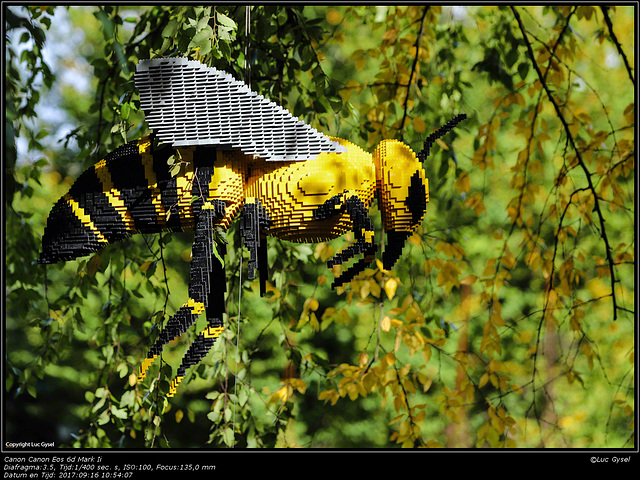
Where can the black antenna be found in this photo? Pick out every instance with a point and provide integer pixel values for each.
(424, 153)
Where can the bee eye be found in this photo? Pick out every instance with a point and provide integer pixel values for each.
(416, 200)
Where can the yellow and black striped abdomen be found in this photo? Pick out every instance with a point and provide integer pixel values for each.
(130, 191)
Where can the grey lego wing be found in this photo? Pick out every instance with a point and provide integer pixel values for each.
(187, 103)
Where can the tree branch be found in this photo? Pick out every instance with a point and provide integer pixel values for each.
(414, 66)
(614, 39)
(565, 125)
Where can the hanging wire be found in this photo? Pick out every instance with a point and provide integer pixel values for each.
(247, 78)
(247, 33)
(235, 383)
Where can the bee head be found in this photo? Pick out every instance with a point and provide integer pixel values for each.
(403, 189)
(402, 192)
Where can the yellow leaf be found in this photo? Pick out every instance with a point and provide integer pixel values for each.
(419, 125)
(629, 112)
(415, 239)
(126, 274)
(313, 322)
(374, 286)
(390, 287)
(385, 325)
(469, 280)
(270, 288)
(311, 304)
(389, 358)
(334, 17)
(390, 35)
(523, 337)
(426, 353)
(365, 289)
(145, 266)
(323, 251)
(363, 359)
(442, 144)
(179, 415)
(463, 183)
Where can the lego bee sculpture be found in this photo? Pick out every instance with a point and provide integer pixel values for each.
(242, 154)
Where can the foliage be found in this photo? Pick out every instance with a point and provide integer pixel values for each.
(509, 320)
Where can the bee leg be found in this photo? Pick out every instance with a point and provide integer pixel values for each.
(214, 308)
(330, 208)
(351, 272)
(363, 231)
(196, 352)
(254, 224)
(177, 324)
(205, 269)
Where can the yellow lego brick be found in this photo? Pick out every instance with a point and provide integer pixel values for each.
(84, 218)
(174, 386)
(395, 164)
(152, 182)
(113, 195)
(196, 307)
(290, 192)
(212, 332)
(368, 236)
(142, 370)
(144, 145)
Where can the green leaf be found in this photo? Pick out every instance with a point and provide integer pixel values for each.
(206, 48)
(523, 69)
(226, 21)
(202, 37)
(224, 33)
(128, 398)
(122, 60)
(202, 23)
(213, 416)
(124, 111)
(118, 412)
(170, 28)
(107, 23)
(228, 437)
(103, 418)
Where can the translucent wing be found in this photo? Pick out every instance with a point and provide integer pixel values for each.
(187, 103)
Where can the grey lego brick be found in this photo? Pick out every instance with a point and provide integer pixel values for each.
(187, 103)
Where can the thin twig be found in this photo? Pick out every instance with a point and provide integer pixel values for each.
(414, 66)
(603, 231)
(614, 39)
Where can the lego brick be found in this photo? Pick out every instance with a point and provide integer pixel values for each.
(187, 103)
(238, 152)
